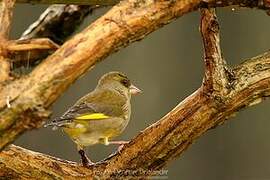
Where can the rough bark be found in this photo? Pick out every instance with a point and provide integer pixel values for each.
(77, 2)
(31, 164)
(29, 51)
(6, 12)
(216, 71)
(29, 97)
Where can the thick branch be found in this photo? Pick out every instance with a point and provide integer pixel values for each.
(4, 64)
(77, 2)
(263, 4)
(31, 164)
(166, 139)
(6, 12)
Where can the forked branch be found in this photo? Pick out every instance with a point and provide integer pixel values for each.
(163, 141)
(129, 21)
(215, 79)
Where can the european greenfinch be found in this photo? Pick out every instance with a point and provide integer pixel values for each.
(100, 115)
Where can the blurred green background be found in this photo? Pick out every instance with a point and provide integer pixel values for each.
(167, 66)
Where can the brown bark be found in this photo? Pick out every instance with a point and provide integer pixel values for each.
(216, 72)
(6, 12)
(223, 92)
(29, 51)
(78, 2)
(31, 164)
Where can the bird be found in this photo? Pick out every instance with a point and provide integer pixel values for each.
(100, 115)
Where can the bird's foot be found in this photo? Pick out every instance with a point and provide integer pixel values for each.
(86, 162)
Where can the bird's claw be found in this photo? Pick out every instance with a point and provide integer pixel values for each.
(120, 147)
(86, 162)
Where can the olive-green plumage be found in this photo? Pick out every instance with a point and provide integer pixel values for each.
(100, 115)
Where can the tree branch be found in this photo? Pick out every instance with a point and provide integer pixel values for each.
(162, 141)
(127, 22)
(6, 12)
(29, 164)
(77, 2)
(262, 4)
(216, 78)
(123, 24)
(29, 51)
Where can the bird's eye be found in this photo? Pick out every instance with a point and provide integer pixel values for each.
(125, 82)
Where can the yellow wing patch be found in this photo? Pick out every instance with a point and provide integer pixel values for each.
(93, 116)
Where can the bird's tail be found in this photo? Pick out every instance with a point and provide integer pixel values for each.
(53, 124)
(56, 123)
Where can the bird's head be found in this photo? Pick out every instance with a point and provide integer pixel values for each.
(119, 82)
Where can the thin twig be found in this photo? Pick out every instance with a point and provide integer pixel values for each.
(32, 44)
(215, 79)
(30, 51)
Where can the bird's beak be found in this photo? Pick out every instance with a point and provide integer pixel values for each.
(134, 90)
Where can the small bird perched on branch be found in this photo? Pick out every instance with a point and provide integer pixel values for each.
(100, 115)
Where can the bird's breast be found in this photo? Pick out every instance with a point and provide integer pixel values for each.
(126, 110)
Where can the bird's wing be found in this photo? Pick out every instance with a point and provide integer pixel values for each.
(94, 106)
(87, 112)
